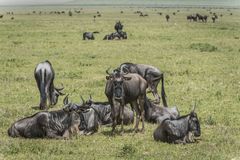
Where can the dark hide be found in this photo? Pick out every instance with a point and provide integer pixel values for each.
(181, 130)
(167, 17)
(104, 111)
(88, 116)
(89, 35)
(151, 74)
(156, 114)
(44, 76)
(122, 90)
(118, 26)
(54, 124)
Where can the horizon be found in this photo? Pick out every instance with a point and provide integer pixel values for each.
(228, 3)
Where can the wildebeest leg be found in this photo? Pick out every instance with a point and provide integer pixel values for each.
(137, 115)
(43, 102)
(51, 134)
(121, 116)
(142, 111)
(114, 116)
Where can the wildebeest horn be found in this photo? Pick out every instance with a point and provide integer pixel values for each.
(107, 71)
(65, 101)
(59, 89)
(83, 102)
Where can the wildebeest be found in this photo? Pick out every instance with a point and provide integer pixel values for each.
(116, 35)
(181, 130)
(151, 74)
(89, 119)
(54, 124)
(118, 26)
(103, 110)
(1, 16)
(122, 89)
(44, 76)
(156, 114)
(167, 17)
(89, 35)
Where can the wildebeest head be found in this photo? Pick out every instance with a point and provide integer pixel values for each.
(193, 124)
(69, 106)
(55, 94)
(117, 79)
(118, 26)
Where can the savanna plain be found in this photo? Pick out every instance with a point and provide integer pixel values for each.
(200, 62)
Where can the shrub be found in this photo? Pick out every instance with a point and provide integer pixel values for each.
(203, 47)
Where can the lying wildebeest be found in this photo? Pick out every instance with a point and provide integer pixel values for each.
(44, 76)
(151, 74)
(181, 130)
(116, 35)
(89, 35)
(122, 89)
(167, 17)
(89, 119)
(103, 110)
(156, 114)
(118, 26)
(54, 124)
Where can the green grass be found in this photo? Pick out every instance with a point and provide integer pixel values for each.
(200, 62)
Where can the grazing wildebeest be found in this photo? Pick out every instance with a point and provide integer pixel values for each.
(167, 17)
(54, 124)
(44, 76)
(89, 119)
(181, 130)
(118, 26)
(156, 114)
(151, 74)
(89, 35)
(103, 110)
(122, 89)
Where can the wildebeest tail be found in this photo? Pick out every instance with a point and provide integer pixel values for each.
(96, 32)
(163, 94)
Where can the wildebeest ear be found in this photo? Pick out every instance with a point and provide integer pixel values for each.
(65, 101)
(127, 78)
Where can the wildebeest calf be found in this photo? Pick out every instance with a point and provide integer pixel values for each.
(89, 35)
(181, 130)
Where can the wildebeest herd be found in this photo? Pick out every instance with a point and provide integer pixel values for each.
(127, 84)
(119, 34)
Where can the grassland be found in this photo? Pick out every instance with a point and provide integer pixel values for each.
(200, 62)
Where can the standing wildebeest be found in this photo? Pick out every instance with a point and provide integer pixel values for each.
(89, 35)
(118, 26)
(156, 114)
(103, 110)
(167, 17)
(181, 130)
(44, 76)
(151, 74)
(54, 124)
(122, 89)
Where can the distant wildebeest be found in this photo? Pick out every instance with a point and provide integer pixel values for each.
(53, 124)
(89, 119)
(103, 110)
(112, 36)
(174, 13)
(99, 15)
(213, 19)
(70, 13)
(89, 35)
(151, 74)
(122, 89)
(182, 130)
(1, 16)
(121, 12)
(44, 76)
(118, 26)
(156, 114)
(12, 18)
(160, 13)
(167, 17)
(201, 18)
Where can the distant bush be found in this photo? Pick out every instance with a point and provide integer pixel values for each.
(203, 47)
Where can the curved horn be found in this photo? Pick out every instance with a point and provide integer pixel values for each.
(65, 100)
(83, 102)
(107, 71)
(59, 89)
